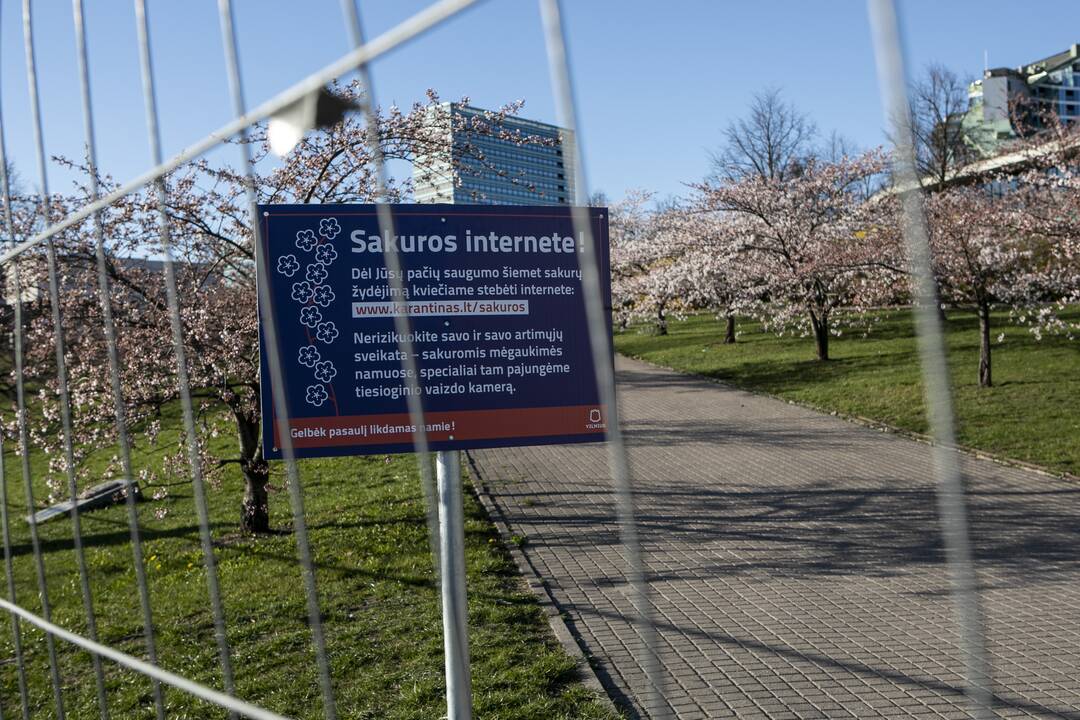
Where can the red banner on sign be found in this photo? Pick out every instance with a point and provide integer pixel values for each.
(397, 428)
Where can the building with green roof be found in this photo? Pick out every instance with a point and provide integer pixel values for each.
(1007, 97)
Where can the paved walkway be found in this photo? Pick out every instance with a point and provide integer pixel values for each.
(795, 561)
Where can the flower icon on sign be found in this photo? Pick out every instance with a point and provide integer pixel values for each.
(310, 316)
(309, 355)
(323, 295)
(306, 240)
(315, 395)
(316, 273)
(325, 371)
(329, 228)
(302, 291)
(327, 332)
(287, 265)
(326, 253)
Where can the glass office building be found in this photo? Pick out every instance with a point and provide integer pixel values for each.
(508, 161)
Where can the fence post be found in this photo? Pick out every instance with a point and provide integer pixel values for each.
(454, 602)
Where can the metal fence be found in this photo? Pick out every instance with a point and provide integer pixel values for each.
(53, 224)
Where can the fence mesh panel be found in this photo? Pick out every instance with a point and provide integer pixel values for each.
(51, 225)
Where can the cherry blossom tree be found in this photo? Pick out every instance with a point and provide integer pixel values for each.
(982, 259)
(662, 292)
(1012, 241)
(1048, 207)
(719, 281)
(817, 246)
(213, 245)
(655, 262)
(634, 253)
(697, 270)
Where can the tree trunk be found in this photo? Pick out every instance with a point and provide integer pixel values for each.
(729, 330)
(661, 321)
(255, 508)
(820, 326)
(984, 345)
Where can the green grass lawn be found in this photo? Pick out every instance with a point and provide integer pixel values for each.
(1031, 414)
(379, 603)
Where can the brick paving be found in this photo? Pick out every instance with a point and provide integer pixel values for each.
(795, 562)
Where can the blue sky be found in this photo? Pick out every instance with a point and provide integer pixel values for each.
(656, 81)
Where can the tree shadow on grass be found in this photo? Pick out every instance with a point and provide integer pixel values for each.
(777, 376)
(93, 537)
(101, 531)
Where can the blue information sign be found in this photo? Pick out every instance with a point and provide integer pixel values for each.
(497, 316)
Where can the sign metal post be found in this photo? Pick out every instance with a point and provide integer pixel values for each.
(454, 603)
